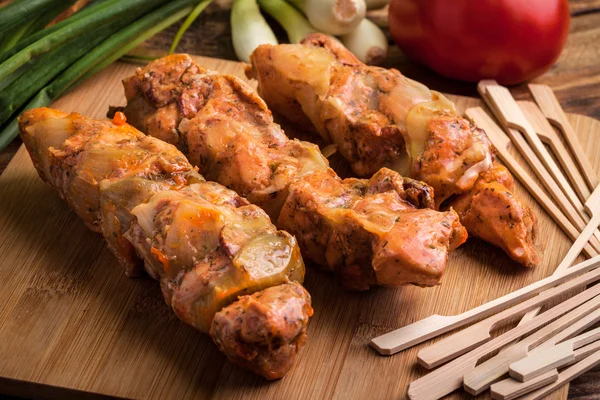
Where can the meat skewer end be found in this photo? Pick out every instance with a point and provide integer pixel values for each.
(263, 332)
(222, 265)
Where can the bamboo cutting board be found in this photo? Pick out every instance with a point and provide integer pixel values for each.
(72, 324)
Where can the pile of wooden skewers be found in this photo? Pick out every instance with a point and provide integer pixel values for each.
(546, 351)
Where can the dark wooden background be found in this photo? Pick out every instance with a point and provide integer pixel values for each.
(575, 79)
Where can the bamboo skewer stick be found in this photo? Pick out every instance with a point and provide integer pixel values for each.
(575, 250)
(546, 133)
(467, 339)
(511, 117)
(566, 376)
(485, 374)
(501, 142)
(449, 377)
(435, 325)
(544, 176)
(542, 360)
(550, 106)
(510, 389)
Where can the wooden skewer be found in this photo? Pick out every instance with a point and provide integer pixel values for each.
(592, 202)
(546, 133)
(463, 341)
(501, 142)
(550, 106)
(511, 116)
(510, 389)
(544, 176)
(435, 325)
(542, 360)
(485, 374)
(566, 376)
(449, 377)
(573, 253)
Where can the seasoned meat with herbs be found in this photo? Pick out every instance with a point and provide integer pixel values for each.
(264, 331)
(227, 130)
(379, 118)
(382, 231)
(205, 244)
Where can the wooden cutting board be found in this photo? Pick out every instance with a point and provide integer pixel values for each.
(72, 324)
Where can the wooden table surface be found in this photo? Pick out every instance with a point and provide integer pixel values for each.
(575, 79)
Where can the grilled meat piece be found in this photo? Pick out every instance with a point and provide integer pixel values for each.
(227, 130)
(372, 232)
(379, 118)
(205, 244)
(264, 331)
(494, 214)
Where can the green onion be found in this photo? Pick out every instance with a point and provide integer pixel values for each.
(110, 50)
(107, 11)
(249, 29)
(19, 12)
(17, 34)
(295, 24)
(335, 17)
(97, 6)
(367, 42)
(187, 23)
(48, 66)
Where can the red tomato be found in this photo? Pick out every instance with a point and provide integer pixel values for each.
(508, 40)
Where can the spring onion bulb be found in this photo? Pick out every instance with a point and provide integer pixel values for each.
(367, 42)
(295, 24)
(376, 4)
(335, 17)
(249, 29)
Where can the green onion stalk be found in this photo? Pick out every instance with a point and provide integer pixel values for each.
(293, 21)
(105, 12)
(249, 29)
(50, 65)
(188, 22)
(19, 12)
(101, 56)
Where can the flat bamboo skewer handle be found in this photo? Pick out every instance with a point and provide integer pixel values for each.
(485, 374)
(509, 388)
(472, 336)
(544, 96)
(501, 143)
(573, 253)
(449, 377)
(553, 189)
(546, 133)
(565, 377)
(512, 117)
(542, 360)
(435, 325)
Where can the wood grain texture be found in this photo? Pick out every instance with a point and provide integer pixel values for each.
(575, 78)
(70, 318)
